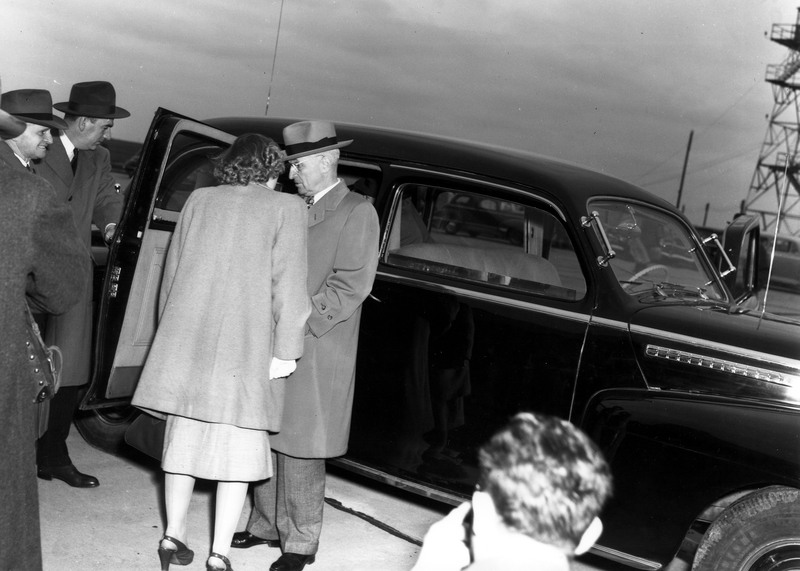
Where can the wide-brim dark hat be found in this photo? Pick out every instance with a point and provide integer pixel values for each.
(310, 138)
(32, 106)
(10, 126)
(96, 99)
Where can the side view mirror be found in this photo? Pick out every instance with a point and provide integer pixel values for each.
(742, 244)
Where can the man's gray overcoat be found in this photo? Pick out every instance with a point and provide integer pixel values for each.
(232, 296)
(343, 231)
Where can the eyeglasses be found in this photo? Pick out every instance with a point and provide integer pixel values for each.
(298, 166)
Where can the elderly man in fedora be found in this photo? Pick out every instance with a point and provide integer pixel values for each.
(343, 232)
(34, 107)
(79, 169)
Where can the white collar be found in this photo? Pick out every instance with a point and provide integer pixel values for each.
(25, 163)
(68, 146)
(322, 193)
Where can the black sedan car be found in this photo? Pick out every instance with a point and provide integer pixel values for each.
(605, 310)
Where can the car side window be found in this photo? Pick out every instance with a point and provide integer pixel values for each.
(477, 238)
(785, 246)
(188, 171)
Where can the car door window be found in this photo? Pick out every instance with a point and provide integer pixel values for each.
(190, 169)
(472, 237)
(654, 251)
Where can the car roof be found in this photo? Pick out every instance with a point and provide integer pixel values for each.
(571, 182)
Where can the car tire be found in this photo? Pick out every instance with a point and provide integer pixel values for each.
(756, 533)
(105, 428)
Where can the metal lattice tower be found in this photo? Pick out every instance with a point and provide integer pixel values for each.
(772, 180)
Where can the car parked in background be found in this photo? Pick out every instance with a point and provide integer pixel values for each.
(786, 262)
(606, 311)
(480, 216)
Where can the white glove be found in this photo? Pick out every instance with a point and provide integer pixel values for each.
(280, 368)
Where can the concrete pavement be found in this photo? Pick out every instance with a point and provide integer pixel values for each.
(117, 526)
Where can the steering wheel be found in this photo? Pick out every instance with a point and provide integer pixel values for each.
(643, 272)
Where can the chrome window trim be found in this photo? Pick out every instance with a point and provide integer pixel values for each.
(613, 324)
(398, 481)
(620, 557)
(495, 185)
(498, 299)
(359, 164)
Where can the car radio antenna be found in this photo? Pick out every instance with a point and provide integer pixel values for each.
(274, 57)
(781, 198)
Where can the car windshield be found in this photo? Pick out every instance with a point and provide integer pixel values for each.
(655, 252)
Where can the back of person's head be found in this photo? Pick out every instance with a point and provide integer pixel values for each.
(250, 158)
(547, 479)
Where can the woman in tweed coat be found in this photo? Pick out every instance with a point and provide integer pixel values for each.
(232, 312)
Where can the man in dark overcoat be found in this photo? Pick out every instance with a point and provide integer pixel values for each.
(40, 257)
(343, 233)
(79, 169)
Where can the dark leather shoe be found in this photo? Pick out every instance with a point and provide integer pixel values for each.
(70, 475)
(245, 539)
(292, 562)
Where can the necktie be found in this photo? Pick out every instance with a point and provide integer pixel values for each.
(309, 200)
(30, 168)
(74, 161)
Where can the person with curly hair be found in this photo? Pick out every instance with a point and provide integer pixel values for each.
(542, 485)
(232, 312)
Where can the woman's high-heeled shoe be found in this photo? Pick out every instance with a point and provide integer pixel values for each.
(181, 555)
(225, 560)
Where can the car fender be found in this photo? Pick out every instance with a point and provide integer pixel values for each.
(671, 472)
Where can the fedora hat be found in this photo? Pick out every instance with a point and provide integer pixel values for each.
(32, 106)
(310, 138)
(95, 99)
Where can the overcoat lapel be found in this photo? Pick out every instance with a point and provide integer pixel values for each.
(86, 168)
(8, 156)
(328, 202)
(56, 158)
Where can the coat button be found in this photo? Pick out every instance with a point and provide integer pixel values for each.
(324, 307)
(330, 317)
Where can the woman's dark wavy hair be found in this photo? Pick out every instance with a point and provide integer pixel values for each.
(251, 158)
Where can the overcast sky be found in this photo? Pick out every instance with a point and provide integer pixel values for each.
(616, 86)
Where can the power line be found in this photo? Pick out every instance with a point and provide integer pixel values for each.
(698, 168)
(706, 128)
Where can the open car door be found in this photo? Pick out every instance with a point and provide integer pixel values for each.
(176, 159)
